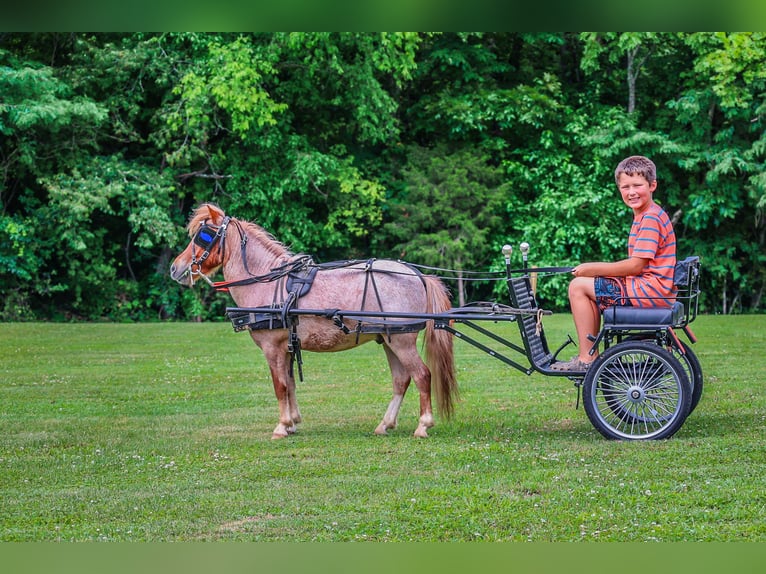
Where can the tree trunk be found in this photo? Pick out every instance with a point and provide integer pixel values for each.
(632, 74)
(755, 303)
(634, 69)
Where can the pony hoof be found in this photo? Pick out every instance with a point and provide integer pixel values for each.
(381, 430)
(280, 432)
(420, 432)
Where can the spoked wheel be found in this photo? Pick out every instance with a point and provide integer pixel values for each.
(637, 390)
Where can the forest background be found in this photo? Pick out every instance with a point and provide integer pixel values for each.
(436, 148)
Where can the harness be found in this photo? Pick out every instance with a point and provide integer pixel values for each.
(293, 280)
(206, 238)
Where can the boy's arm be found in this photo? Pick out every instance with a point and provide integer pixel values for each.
(632, 267)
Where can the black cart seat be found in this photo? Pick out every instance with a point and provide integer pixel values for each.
(642, 316)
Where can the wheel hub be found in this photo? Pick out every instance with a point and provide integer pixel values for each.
(636, 394)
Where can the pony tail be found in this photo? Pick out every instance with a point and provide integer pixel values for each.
(439, 354)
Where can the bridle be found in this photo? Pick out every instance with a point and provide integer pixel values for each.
(206, 238)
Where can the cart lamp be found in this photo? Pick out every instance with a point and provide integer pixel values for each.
(524, 246)
(507, 250)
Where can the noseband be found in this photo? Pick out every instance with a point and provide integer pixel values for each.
(206, 238)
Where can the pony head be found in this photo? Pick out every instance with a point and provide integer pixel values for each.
(204, 254)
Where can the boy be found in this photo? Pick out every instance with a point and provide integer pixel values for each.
(644, 279)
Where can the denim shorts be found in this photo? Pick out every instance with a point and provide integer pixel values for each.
(610, 291)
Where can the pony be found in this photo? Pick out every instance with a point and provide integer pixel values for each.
(257, 267)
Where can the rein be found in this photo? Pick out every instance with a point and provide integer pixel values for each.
(494, 275)
(275, 273)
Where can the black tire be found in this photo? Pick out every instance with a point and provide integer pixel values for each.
(637, 390)
(690, 361)
(694, 372)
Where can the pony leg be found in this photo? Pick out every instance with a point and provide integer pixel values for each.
(401, 380)
(406, 364)
(292, 401)
(422, 376)
(392, 412)
(294, 413)
(284, 389)
(426, 421)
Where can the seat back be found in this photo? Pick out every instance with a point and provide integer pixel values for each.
(687, 279)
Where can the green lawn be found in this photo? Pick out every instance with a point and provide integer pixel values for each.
(163, 432)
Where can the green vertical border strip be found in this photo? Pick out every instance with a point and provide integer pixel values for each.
(385, 558)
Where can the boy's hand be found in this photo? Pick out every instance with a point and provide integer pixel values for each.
(585, 270)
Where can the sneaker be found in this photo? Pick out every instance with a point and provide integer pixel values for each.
(572, 365)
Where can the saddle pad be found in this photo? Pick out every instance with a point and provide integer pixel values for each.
(300, 281)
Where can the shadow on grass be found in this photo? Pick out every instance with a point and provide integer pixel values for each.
(715, 425)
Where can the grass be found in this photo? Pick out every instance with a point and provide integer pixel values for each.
(163, 432)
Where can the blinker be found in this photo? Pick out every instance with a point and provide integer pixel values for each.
(205, 237)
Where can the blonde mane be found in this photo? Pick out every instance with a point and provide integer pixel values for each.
(259, 234)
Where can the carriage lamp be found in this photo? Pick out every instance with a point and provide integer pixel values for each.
(507, 250)
(524, 246)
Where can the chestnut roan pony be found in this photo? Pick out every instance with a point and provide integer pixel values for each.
(257, 269)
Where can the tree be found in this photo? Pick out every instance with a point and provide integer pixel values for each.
(451, 208)
(633, 48)
(338, 143)
(44, 127)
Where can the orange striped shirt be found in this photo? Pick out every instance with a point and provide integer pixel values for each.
(652, 237)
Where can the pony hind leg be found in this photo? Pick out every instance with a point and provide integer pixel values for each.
(422, 377)
(407, 365)
(401, 380)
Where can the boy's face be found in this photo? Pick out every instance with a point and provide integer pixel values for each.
(636, 191)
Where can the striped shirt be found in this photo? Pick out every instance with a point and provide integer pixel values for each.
(652, 237)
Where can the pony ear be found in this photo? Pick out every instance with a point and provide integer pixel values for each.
(216, 214)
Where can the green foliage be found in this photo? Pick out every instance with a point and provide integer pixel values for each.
(327, 139)
(222, 92)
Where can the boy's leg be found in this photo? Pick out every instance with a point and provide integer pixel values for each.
(585, 312)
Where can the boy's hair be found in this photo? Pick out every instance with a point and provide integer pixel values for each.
(636, 165)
